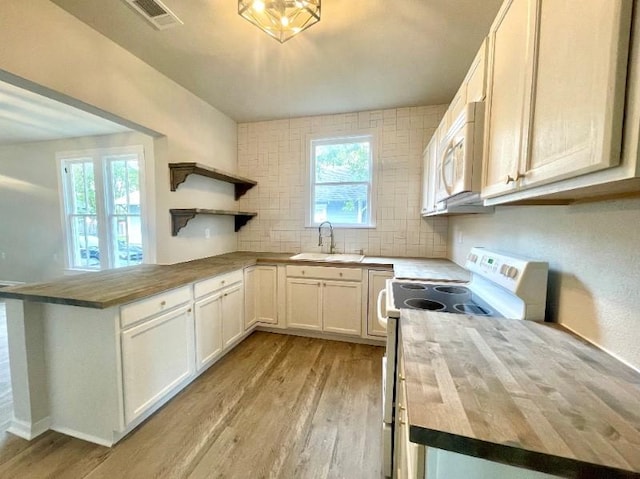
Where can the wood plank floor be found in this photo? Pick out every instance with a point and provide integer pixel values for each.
(277, 406)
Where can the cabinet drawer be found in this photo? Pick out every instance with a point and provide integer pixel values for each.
(134, 312)
(325, 272)
(213, 284)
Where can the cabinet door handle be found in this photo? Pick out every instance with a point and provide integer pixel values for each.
(402, 378)
(163, 303)
(222, 282)
(318, 284)
(302, 271)
(511, 179)
(189, 310)
(340, 275)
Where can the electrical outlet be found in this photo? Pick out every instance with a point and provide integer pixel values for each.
(207, 233)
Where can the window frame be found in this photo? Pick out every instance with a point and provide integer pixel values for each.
(329, 138)
(100, 158)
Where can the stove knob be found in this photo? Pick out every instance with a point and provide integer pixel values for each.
(512, 272)
(503, 269)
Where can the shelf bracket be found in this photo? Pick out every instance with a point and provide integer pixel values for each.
(241, 220)
(179, 220)
(178, 175)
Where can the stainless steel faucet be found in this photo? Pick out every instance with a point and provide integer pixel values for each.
(332, 246)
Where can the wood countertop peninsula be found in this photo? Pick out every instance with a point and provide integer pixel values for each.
(105, 289)
(522, 393)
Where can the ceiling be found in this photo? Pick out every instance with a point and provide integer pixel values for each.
(27, 116)
(362, 55)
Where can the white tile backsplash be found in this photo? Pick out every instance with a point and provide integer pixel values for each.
(271, 152)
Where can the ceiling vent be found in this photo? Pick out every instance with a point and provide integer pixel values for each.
(155, 12)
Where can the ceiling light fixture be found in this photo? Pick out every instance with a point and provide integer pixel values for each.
(282, 19)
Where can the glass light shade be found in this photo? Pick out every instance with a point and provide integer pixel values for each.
(282, 19)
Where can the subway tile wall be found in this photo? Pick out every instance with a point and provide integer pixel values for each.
(274, 154)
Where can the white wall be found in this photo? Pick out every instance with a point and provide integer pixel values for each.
(44, 44)
(30, 216)
(274, 154)
(594, 260)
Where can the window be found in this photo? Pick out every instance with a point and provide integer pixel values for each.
(101, 205)
(341, 181)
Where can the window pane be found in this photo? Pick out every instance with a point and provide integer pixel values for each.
(128, 245)
(126, 228)
(84, 242)
(125, 184)
(82, 187)
(341, 204)
(338, 163)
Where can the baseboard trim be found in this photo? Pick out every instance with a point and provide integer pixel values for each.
(320, 335)
(80, 435)
(27, 430)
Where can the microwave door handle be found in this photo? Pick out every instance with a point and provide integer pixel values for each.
(443, 178)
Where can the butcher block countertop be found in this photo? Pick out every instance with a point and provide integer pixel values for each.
(114, 287)
(522, 393)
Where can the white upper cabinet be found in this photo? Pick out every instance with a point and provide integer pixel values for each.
(429, 177)
(578, 92)
(509, 86)
(476, 79)
(556, 91)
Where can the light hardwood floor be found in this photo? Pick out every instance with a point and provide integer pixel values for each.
(277, 406)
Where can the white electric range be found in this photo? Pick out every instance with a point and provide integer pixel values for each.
(501, 285)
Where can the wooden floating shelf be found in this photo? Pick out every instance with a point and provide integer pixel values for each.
(180, 217)
(179, 171)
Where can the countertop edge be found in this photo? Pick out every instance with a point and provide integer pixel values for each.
(514, 455)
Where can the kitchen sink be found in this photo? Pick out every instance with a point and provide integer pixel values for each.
(338, 258)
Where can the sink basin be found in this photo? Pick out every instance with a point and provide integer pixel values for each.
(339, 258)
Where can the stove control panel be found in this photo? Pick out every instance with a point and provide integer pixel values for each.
(509, 271)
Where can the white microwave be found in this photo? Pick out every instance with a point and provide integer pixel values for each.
(459, 162)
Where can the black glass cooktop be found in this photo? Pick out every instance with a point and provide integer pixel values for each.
(447, 298)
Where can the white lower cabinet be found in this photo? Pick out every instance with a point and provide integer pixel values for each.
(304, 303)
(208, 318)
(323, 302)
(342, 307)
(219, 316)
(232, 313)
(157, 356)
(261, 295)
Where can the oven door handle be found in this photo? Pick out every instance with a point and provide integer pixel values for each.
(381, 319)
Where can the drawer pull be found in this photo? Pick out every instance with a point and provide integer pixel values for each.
(222, 282)
(163, 303)
(341, 275)
(189, 310)
(318, 284)
(302, 271)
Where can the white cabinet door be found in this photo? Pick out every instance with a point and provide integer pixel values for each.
(250, 291)
(266, 294)
(304, 308)
(429, 176)
(342, 307)
(157, 356)
(511, 66)
(232, 314)
(377, 282)
(208, 319)
(476, 76)
(579, 88)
